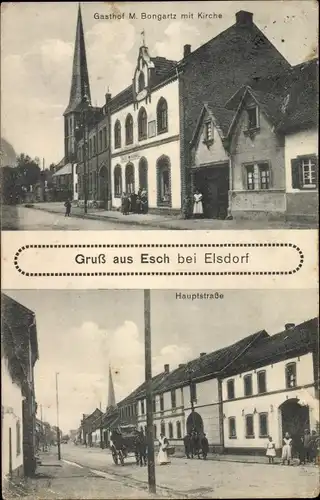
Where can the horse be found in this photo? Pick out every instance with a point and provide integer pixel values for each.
(140, 449)
(195, 444)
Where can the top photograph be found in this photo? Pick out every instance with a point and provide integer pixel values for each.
(159, 116)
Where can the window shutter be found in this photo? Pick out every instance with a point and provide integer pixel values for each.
(295, 172)
(314, 159)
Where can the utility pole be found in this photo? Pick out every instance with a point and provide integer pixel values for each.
(58, 428)
(149, 406)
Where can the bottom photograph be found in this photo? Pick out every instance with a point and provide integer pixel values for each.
(160, 394)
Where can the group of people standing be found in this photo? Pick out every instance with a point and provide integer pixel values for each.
(135, 203)
(196, 444)
(305, 448)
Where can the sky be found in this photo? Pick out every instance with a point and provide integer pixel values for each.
(82, 333)
(38, 41)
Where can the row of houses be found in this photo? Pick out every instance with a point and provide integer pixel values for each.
(232, 118)
(19, 353)
(239, 395)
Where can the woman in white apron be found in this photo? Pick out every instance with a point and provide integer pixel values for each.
(197, 204)
(286, 449)
(163, 454)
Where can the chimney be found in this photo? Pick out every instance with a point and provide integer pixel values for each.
(289, 326)
(244, 18)
(186, 50)
(202, 354)
(107, 97)
(166, 368)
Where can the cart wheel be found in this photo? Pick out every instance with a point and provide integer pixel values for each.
(121, 458)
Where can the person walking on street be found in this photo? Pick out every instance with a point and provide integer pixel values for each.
(68, 208)
(271, 450)
(287, 449)
(204, 446)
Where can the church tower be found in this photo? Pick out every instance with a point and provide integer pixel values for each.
(111, 396)
(80, 87)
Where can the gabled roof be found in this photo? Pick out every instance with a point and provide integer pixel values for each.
(295, 341)
(65, 170)
(221, 117)
(288, 99)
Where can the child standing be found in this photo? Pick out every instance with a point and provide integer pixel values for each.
(286, 449)
(271, 450)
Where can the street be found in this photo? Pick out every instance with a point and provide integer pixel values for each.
(187, 478)
(29, 219)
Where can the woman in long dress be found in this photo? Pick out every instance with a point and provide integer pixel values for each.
(197, 204)
(286, 449)
(163, 454)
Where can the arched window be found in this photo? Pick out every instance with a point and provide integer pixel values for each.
(170, 427)
(291, 375)
(94, 145)
(142, 124)
(100, 140)
(129, 178)
(117, 174)
(143, 174)
(117, 134)
(129, 129)
(163, 428)
(141, 81)
(105, 138)
(178, 425)
(162, 116)
(164, 181)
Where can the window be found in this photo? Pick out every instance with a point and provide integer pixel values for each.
(155, 432)
(163, 428)
(193, 392)
(170, 427)
(179, 434)
(253, 117)
(263, 424)
(208, 132)
(249, 426)
(247, 381)
(105, 138)
(173, 398)
(232, 427)
(94, 145)
(117, 181)
(100, 141)
(291, 375)
(117, 134)
(154, 405)
(129, 178)
(18, 437)
(129, 129)
(162, 116)
(262, 382)
(141, 81)
(142, 124)
(161, 403)
(142, 407)
(164, 181)
(305, 172)
(257, 176)
(230, 389)
(76, 187)
(90, 148)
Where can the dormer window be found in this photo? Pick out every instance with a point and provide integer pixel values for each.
(141, 81)
(208, 133)
(253, 118)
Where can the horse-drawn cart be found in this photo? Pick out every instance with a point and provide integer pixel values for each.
(122, 443)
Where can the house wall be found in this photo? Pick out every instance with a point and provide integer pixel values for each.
(11, 407)
(75, 182)
(204, 154)
(151, 148)
(264, 146)
(300, 203)
(267, 403)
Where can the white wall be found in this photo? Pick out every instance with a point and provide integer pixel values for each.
(75, 183)
(300, 143)
(268, 403)
(12, 407)
(169, 92)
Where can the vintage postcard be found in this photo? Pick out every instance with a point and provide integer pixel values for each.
(159, 209)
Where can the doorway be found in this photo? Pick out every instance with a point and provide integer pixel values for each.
(103, 186)
(213, 183)
(294, 419)
(194, 422)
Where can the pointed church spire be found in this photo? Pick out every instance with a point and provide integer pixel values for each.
(80, 79)
(111, 395)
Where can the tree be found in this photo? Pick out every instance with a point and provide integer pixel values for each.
(28, 171)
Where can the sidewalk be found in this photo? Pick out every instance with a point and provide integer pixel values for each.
(169, 221)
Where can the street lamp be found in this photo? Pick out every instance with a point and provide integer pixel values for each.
(83, 128)
(58, 428)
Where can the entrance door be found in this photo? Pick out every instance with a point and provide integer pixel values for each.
(213, 183)
(194, 422)
(294, 419)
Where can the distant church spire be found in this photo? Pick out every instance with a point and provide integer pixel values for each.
(80, 79)
(111, 395)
